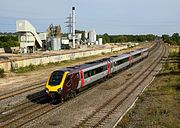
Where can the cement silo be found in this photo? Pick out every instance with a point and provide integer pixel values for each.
(92, 36)
(100, 41)
(55, 44)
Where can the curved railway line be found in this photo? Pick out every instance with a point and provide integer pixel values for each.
(36, 110)
(100, 116)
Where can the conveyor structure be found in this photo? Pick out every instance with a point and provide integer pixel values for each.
(29, 39)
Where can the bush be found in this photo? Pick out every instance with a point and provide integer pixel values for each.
(25, 69)
(1, 72)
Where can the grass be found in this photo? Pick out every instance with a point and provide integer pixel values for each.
(159, 106)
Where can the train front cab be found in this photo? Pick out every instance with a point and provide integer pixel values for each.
(54, 85)
(62, 85)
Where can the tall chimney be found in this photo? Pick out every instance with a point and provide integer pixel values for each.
(73, 26)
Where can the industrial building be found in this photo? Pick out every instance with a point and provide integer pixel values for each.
(31, 40)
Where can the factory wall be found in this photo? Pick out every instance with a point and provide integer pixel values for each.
(7, 66)
(119, 48)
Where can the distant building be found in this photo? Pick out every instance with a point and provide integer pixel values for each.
(31, 41)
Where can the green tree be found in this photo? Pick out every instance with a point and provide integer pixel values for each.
(8, 41)
(166, 38)
(106, 38)
(122, 38)
(176, 38)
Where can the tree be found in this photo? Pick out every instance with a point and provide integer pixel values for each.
(8, 41)
(166, 38)
(176, 38)
(150, 37)
(122, 38)
(106, 38)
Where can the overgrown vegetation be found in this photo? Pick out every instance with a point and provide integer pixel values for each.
(1, 72)
(159, 106)
(28, 68)
(126, 38)
(7, 41)
(173, 40)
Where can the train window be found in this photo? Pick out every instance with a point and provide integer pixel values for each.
(137, 55)
(90, 73)
(119, 62)
(86, 75)
(56, 78)
(104, 68)
(115, 63)
(95, 71)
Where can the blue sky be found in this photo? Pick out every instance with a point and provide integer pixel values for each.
(105, 16)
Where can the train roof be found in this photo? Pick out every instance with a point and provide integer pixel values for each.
(76, 68)
(135, 52)
(119, 56)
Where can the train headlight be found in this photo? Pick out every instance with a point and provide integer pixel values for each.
(47, 91)
(59, 90)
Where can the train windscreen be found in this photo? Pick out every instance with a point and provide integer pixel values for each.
(56, 78)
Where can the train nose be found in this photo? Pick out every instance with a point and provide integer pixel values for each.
(53, 95)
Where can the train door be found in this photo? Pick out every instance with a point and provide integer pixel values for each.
(109, 68)
(130, 59)
(67, 87)
(142, 54)
(82, 78)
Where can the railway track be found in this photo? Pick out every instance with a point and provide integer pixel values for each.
(14, 110)
(36, 85)
(37, 111)
(100, 116)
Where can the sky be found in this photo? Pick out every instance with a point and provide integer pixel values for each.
(105, 16)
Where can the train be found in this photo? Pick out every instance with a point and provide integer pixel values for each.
(66, 82)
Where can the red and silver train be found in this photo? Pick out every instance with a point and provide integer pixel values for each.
(64, 83)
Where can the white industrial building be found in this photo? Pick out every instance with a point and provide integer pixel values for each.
(29, 39)
(92, 36)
